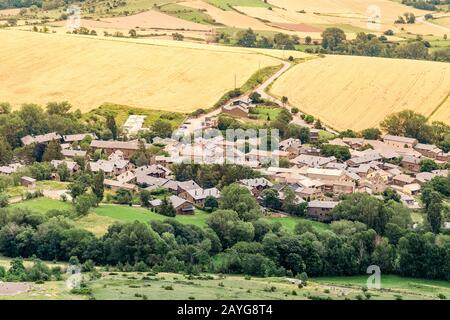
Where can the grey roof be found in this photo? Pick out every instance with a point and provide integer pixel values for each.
(256, 182)
(366, 158)
(27, 140)
(399, 139)
(73, 153)
(188, 185)
(199, 194)
(126, 145)
(312, 161)
(28, 179)
(78, 137)
(323, 204)
(175, 200)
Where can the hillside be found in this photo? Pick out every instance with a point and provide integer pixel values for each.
(358, 92)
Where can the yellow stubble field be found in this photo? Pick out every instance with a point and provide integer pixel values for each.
(358, 92)
(89, 71)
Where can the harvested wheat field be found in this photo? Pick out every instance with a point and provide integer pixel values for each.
(357, 13)
(9, 12)
(88, 72)
(228, 18)
(148, 19)
(358, 92)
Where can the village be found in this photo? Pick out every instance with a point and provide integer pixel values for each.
(393, 162)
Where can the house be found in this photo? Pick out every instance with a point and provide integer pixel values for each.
(428, 150)
(367, 158)
(70, 153)
(314, 135)
(411, 163)
(128, 148)
(198, 196)
(338, 187)
(147, 181)
(181, 205)
(443, 156)
(133, 124)
(312, 161)
(291, 146)
(326, 174)
(423, 177)
(411, 189)
(240, 110)
(320, 210)
(10, 169)
(71, 138)
(354, 143)
(399, 142)
(186, 185)
(72, 166)
(256, 185)
(409, 201)
(40, 139)
(402, 180)
(115, 185)
(309, 193)
(106, 166)
(154, 170)
(28, 182)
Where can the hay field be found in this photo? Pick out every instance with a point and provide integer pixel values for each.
(358, 92)
(9, 12)
(88, 72)
(356, 13)
(148, 19)
(229, 18)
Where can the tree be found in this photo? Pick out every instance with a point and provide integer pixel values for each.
(132, 33)
(112, 126)
(332, 38)
(123, 196)
(342, 153)
(409, 124)
(63, 171)
(239, 199)
(271, 199)
(434, 209)
(428, 165)
(5, 107)
(98, 187)
(211, 204)
(84, 202)
(52, 151)
(4, 200)
(371, 133)
(162, 128)
(167, 208)
(229, 228)
(246, 38)
(58, 108)
(308, 40)
(6, 153)
(145, 197)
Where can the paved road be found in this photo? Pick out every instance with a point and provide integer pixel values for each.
(193, 124)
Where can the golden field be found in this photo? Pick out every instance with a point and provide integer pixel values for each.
(358, 92)
(89, 71)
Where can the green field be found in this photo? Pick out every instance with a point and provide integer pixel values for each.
(130, 214)
(266, 113)
(121, 114)
(102, 217)
(187, 13)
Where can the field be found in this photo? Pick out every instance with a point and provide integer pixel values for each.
(358, 92)
(357, 13)
(147, 19)
(102, 217)
(9, 12)
(172, 286)
(89, 72)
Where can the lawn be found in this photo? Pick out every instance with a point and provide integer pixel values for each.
(290, 222)
(186, 13)
(43, 205)
(121, 114)
(266, 113)
(40, 185)
(129, 214)
(420, 287)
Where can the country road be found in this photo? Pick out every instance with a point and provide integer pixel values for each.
(193, 124)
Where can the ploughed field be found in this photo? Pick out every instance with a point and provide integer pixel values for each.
(89, 71)
(359, 92)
